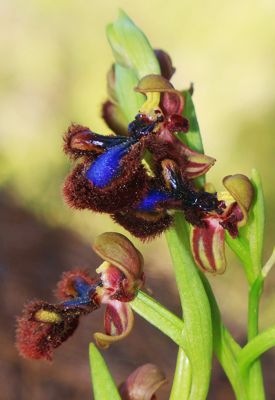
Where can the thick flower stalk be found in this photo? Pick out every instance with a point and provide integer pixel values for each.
(44, 327)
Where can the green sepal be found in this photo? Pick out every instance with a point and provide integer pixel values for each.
(255, 225)
(193, 137)
(104, 387)
(130, 46)
(129, 100)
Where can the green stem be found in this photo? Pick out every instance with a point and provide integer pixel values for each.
(159, 316)
(225, 347)
(240, 247)
(256, 387)
(195, 306)
(255, 348)
(182, 378)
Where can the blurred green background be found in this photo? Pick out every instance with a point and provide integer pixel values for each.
(54, 59)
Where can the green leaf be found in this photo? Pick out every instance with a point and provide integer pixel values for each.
(131, 48)
(225, 347)
(195, 306)
(104, 387)
(255, 226)
(240, 247)
(182, 378)
(129, 100)
(159, 316)
(193, 137)
(255, 348)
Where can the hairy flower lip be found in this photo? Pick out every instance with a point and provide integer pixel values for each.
(124, 191)
(36, 338)
(144, 225)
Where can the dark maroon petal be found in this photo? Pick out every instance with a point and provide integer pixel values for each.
(176, 123)
(114, 118)
(125, 190)
(144, 225)
(232, 218)
(191, 163)
(171, 103)
(118, 323)
(165, 63)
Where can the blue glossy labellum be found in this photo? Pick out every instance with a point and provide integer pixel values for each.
(107, 166)
(152, 200)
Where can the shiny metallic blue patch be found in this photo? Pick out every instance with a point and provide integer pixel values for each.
(107, 166)
(152, 199)
(83, 290)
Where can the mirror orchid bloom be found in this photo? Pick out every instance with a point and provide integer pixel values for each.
(43, 326)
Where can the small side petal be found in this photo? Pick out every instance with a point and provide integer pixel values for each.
(143, 383)
(197, 164)
(240, 187)
(207, 244)
(118, 322)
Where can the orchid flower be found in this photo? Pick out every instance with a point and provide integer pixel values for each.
(44, 327)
